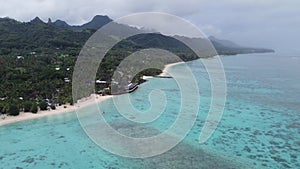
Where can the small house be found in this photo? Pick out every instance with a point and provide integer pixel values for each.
(20, 57)
(67, 80)
(101, 82)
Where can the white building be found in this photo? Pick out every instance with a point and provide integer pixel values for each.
(67, 80)
(101, 82)
(20, 57)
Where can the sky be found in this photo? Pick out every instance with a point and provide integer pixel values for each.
(257, 23)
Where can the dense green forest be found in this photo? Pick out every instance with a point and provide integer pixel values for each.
(37, 60)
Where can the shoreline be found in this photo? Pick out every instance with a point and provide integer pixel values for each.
(84, 102)
(167, 67)
(164, 71)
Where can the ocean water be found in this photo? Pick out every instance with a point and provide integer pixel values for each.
(260, 126)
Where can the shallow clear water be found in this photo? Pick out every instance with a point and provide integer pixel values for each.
(260, 127)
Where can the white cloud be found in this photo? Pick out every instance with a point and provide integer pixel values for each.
(210, 30)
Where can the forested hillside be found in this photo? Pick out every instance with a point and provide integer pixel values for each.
(37, 58)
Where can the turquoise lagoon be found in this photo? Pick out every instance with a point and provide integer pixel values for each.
(260, 127)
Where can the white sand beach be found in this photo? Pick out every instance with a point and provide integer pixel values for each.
(167, 67)
(93, 99)
(164, 71)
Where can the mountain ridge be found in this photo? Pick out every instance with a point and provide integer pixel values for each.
(97, 22)
(223, 47)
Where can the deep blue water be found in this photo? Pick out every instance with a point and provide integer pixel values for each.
(260, 127)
